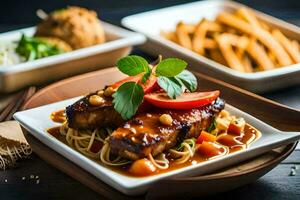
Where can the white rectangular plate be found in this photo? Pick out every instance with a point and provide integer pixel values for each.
(66, 64)
(153, 22)
(37, 121)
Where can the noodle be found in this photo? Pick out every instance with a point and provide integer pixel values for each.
(188, 150)
(83, 140)
(161, 162)
(105, 157)
(225, 152)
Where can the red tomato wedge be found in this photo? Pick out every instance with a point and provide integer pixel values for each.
(185, 101)
(150, 85)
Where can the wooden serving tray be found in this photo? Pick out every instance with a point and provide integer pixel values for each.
(277, 115)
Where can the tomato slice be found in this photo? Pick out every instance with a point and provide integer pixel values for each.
(185, 101)
(150, 85)
(116, 85)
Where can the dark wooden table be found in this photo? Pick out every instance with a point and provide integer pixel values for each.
(35, 179)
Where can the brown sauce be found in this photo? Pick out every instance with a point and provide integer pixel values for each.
(235, 143)
(58, 116)
(232, 141)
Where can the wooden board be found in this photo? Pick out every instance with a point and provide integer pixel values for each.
(281, 117)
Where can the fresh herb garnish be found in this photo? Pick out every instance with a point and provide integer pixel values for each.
(127, 99)
(212, 126)
(188, 80)
(180, 147)
(171, 85)
(170, 67)
(32, 48)
(133, 65)
(171, 77)
(190, 142)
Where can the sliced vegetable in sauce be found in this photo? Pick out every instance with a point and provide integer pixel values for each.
(205, 136)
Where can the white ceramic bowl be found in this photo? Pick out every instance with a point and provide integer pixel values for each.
(153, 22)
(118, 44)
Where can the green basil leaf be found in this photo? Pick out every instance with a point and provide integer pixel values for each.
(133, 65)
(170, 67)
(212, 126)
(171, 85)
(146, 76)
(180, 147)
(188, 79)
(127, 99)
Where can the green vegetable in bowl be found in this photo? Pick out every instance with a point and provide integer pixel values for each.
(32, 48)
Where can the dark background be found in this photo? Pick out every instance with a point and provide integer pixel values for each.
(276, 185)
(17, 13)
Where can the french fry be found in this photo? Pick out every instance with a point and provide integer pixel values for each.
(214, 27)
(231, 30)
(273, 58)
(262, 35)
(287, 45)
(228, 53)
(210, 43)
(240, 41)
(183, 36)
(217, 56)
(188, 28)
(199, 36)
(265, 26)
(258, 53)
(249, 17)
(246, 62)
(169, 35)
(295, 45)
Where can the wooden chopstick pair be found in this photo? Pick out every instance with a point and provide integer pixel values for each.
(16, 103)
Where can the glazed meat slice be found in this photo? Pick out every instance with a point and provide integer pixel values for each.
(83, 115)
(144, 134)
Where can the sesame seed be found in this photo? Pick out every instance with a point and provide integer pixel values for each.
(295, 167)
(293, 172)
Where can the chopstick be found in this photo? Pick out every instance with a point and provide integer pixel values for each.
(16, 103)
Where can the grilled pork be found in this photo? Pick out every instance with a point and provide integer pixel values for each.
(83, 115)
(144, 134)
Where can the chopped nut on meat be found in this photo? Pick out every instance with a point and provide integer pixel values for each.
(109, 91)
(100, 93)
(96, 100)
(166, 119)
